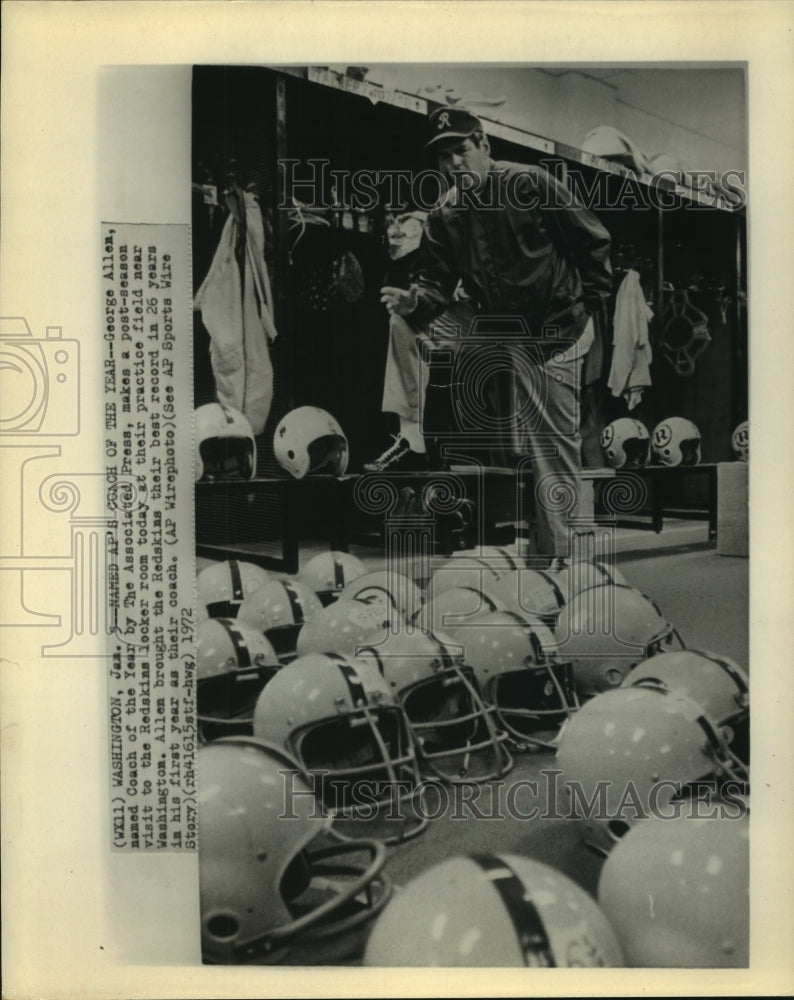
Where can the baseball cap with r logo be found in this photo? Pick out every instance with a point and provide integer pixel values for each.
(451, 123)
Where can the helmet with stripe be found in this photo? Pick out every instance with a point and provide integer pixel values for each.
(280, 609)
(328, 573)
(453, 728)
(494, 910)
(470, 571)
(222, 587)
(342, 627)
(338, 717)
(606, 630)
(532, 592)
(234, 662)
(387, 591)
(277, 889)
(455, 611)
(520, 674)
(715, 682)
(636, 752)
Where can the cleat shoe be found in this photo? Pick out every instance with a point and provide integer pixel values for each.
(398, 458)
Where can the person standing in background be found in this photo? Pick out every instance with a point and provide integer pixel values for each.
(521, 246)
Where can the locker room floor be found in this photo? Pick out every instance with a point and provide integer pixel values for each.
(704, 595)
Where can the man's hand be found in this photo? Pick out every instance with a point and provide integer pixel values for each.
(400, 300)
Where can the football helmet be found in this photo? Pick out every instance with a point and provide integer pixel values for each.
(452, 726)
(280, 609)
(456, 610)
(465, 571)
(606, 630)
(338, 717)
(342, 627)
(519, 672)
(585, 573)
(715, 682)
(676, 892)
(225, 447)
(308, 440)
(492, 910)
(676, 441)
(328, 573)
(223, 587)
(740, 441)
(628, 753)
(233, 663)
(275, 885)
(625, 443)
(530, 591)
(387, 591)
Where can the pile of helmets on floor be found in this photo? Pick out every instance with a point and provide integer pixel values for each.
(330, 702)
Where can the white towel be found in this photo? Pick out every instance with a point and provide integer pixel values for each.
(238, 318)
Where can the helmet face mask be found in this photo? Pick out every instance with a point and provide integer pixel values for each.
(452, 727)
(339, 720)
(656, 747)
(520, 675)
(233, 664)
(273, 888)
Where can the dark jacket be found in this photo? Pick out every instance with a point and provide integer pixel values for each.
(537, 253)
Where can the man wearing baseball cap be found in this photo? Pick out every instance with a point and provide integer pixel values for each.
(521, 246)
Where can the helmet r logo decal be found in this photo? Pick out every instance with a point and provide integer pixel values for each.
(443, 120)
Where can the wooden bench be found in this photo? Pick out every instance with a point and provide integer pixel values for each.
(664, 485)
(495, 490)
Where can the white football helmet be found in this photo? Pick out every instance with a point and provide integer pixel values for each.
(532, 592)
(466, 571)
(280, 609)
(676, 891)
(308, 440)
(740, 441)
(629, 753)
(676, 441)
(496, 910)
(225, 447)
(275, 885)
(606, 630)
(342, 627)
(454, 611)
(338, 717)
(387, 591)
(585, 573)
(328, 573)
(519, 672)
(716, 682)
(233, 663)
(625, 443)
(222, 587)
(452, 726)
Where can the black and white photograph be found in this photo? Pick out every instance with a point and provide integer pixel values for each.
(470, 363)
(392, 593)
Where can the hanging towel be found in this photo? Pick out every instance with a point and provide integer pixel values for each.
(631, 355)
(236, 308)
